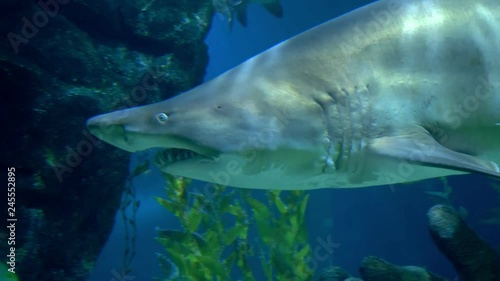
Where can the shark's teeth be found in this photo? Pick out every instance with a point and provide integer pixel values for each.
(172, 155)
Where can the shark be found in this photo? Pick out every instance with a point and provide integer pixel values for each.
(393, 92)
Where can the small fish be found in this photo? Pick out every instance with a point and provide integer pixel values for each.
(141, 169)
(226, 8)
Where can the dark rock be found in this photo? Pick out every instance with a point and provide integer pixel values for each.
(471, 256)
(333, 273)
(58, 68)
(377, 269)
(168, 24)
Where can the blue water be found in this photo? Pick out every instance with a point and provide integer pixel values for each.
(389, 222)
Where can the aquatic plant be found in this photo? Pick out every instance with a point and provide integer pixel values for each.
(444, 197)
(129, 206)
(7, 275)
(214, 242)
(284, 235)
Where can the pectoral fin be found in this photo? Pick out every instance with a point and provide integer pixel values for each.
(420, 147)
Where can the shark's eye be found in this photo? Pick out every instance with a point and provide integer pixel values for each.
(162, 117)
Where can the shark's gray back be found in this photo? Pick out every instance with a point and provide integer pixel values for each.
(438, 54)
(395, 42)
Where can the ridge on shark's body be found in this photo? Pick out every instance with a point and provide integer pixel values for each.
(393, 92)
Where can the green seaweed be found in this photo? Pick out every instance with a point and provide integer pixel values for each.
(213, 242)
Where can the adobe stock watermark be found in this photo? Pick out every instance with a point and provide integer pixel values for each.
(31, 27)
(75, 155)
(121, 276)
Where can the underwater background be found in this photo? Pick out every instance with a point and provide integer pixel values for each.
(64, 222)
(387, 221)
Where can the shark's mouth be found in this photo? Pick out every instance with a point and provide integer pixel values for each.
(172, 155)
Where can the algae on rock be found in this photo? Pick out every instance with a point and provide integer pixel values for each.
(87, 58)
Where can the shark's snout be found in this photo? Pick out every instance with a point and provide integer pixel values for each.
(102, 125)
(96, 123)
(110, 130)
